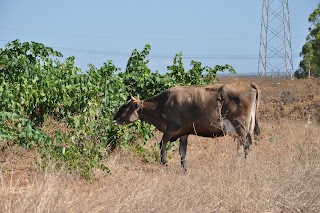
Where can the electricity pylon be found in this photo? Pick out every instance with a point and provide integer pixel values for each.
(275, 52)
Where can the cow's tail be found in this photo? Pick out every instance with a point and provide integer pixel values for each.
(258, 94)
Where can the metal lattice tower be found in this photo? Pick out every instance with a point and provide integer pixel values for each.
(275, 52)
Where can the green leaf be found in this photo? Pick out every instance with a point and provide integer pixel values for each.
(42, 93)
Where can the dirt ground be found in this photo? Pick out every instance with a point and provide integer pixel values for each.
(282, 173)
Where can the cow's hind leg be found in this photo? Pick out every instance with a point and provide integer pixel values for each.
(256, 129)
(246, 145)
(239, 143)
(244, 139)
(183, 151)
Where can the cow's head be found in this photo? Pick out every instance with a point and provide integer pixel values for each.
(128, 113)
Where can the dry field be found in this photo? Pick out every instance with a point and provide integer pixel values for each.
(282, 173)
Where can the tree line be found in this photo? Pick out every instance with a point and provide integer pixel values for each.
(310, 64)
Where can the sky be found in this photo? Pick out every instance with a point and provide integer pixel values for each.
(212, 32)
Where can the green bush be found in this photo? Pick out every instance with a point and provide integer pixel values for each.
(35, 83)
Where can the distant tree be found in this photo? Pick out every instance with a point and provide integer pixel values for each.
(311, 49)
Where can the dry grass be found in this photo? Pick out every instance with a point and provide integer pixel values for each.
(282, 174)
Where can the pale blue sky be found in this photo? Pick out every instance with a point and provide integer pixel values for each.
(212, 32)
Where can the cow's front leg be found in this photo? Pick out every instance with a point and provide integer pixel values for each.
(163, 144)
(167, 135)
(183, 151)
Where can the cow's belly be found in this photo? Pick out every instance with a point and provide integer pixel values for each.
(212, 129)
(204, 129)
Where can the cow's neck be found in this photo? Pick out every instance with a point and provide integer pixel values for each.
(149, 112)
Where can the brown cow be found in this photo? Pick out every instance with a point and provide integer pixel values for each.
(208, 111)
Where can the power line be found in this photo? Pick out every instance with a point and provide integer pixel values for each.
(158, 55)
(165, 55)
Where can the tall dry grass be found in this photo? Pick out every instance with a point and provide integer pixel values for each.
(282, 174)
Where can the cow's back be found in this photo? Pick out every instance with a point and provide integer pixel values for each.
(192, 109)
(192, 101)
